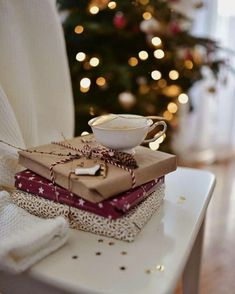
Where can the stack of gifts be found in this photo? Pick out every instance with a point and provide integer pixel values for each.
(98, 190)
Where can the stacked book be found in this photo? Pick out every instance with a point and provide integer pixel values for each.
(105, 203)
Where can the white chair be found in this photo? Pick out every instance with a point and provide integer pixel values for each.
(36, 103)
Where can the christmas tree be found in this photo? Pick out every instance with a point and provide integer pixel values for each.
(132, 57)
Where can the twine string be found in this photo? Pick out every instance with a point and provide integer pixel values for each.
(34, 151)
(108, 155)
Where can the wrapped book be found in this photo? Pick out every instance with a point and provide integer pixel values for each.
(151, 165)
(111, 208)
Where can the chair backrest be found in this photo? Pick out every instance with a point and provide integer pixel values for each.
(34, 70)
(35, 89)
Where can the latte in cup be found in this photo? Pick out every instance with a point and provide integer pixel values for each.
(124, 132)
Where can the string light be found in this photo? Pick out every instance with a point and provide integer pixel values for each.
(100, 81)
(84, 133)
(159, 53)
(172, 107)
(94, 61)
(147, 15)
(173, 75)
(85, 83)
(84, 90)
(78, 29)
(94, 9)
(144, 89)
(160, 139)
(172, 90)
(188, 64)
(112, 5)
(162, 83)
(81, 56)
(167, 115)
(92, 110)
(154, 145)
(156, 75)
(156, 41)
(133, 61)
(143, 55)
(87, 65)
(183, 98)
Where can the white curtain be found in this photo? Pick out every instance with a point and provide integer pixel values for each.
(35, 90)
(208, 132)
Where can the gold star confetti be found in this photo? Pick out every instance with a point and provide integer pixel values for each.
(98, 253)
(122, 268)
(181, 199)
(160, 268)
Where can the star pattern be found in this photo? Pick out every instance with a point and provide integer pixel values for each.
(81, 202)
(44, 187)
(127, 206)
(40, 190)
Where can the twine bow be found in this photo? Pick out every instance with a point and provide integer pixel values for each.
(120, 159)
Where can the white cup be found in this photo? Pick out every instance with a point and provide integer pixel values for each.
(124, 132)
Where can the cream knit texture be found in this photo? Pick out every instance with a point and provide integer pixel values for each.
(25, 238)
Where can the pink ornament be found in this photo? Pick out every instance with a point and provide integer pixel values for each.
(188, 54)
(150, 26)
(175, 28)
(119, 20)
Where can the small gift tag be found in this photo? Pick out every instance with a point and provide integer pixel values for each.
(87, 170)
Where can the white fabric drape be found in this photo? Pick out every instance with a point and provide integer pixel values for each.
(208, 133)
(25, 238)
(35, 90)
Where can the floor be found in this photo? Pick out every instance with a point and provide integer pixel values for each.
(218, 262)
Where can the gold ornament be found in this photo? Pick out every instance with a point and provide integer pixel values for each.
(160, 268)
(127, 100)
(150, 26)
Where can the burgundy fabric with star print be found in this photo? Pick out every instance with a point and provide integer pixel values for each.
(111, 208)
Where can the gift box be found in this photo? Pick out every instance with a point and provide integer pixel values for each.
(125, 228)
(61, 160)
(112, 208)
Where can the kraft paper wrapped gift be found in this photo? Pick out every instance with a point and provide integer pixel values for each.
(151, 165)
(114, 207)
